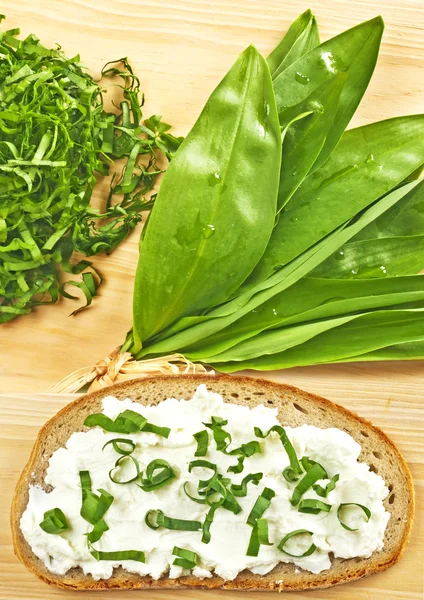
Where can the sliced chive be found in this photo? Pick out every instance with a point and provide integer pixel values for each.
(156, 518)
(262, 503)
(312, 506)
(158, 474)
(315, 473)
(121, 446)
(119, 465)
(365, 509)
(119, 555)
(222, 438)
(241, 488)
(128, 421)
(293, 472)
(54, 521)
(292, 534)
(206, 534)
(186, 558)
(202, 439)
(324, 491)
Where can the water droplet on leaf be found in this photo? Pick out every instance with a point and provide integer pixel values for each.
(302, 79)
(214, 179)
(208, 231)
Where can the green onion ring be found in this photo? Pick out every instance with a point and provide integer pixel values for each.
(308, 552)
(115, 443)
(117, 464)
(312, 506)
(365, 509)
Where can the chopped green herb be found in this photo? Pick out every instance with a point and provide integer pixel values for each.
(262, 503)
(312, 506)
(127, 421)
(54, 521)
(341, 509)
(56, 138)
(156, 518)
(158, 474)
(295, 533)
(315, 473)
(202, 439)
(324, 491)
(186, 558)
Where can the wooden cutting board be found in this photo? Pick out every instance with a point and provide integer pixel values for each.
(180, 49)
(393, 402)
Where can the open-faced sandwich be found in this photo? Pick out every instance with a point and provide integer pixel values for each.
(210, 481)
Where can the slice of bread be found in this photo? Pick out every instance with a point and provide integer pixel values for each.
(295, 408)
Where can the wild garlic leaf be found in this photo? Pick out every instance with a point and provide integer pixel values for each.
(215, 210)
(300, 38)
(363, 333)
(368, 162)
(309, 300)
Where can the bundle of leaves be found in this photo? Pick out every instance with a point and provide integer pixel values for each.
(278, 238)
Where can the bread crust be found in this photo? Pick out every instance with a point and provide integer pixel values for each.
(295, 407)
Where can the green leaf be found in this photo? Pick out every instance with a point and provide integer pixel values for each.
(368, 162)
(305, 138)
(308, 300)
(300, 38)
(230, 312)
(404, 219)
(353, 52)
(225, 177)
(377, 257)
(359, 335)
(401, 351)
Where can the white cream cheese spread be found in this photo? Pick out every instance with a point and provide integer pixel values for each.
(225, 554)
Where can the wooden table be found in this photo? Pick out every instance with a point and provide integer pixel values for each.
(181, 49)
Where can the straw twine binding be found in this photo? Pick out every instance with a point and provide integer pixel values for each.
(121, 366)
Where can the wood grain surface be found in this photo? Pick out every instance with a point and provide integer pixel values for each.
(180, 50)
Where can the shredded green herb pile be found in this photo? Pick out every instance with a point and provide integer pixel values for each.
(55, 139)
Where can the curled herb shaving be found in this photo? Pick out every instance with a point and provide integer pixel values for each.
(262, 503)
(122, 446)
(223, 440)
(295, 533)
(186, 558)
(202, 439)
(241, 488)
(312, 506)
(324, 491)
(343, 506)
(119, 555)
(206, 527)
(293, 472)
(56, 139)
(54, 521)
(258, 537)
(120, 465)
(93, 506)
(243, 452)
(127, 421)
(158, 473)
(315, 473)
(156, 518)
